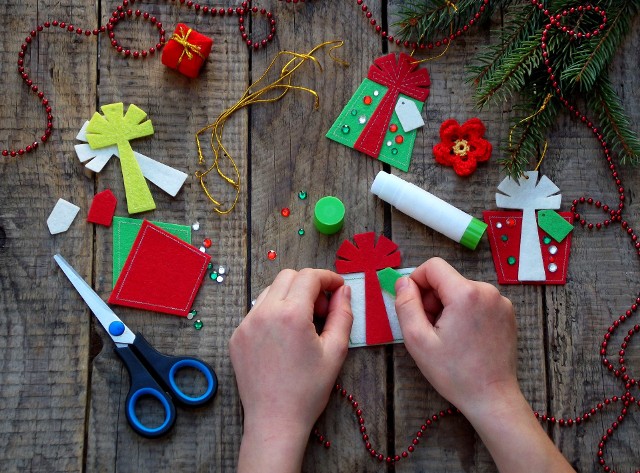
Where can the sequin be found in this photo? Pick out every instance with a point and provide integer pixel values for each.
(393, 128)
(253, 302)
(389, 143)
(504, 238)
(203, 249)
(511, 260)
(219, 279)
(285, 212)
(498, 225)
(210, 265)
(552, 267)
(354, 112)
(546, 240)
(207, 243)
(346, 129)
(213, 275)
(300, 231)
(376, 93)
(553, 249)
(362, 119)
(399, 139)
(511, 222)
(198, 324)
(394, 150)
(367, 100)
(271, 254)
(302, 195)
(196, 226)
(221, 270)
(192, 314)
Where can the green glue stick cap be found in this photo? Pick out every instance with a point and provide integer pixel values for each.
(328, 215)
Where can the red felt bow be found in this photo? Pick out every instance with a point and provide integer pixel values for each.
(368, 257)
(401, 76)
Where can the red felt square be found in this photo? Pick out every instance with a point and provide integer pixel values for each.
(504, 230)
(162, 273)
(186, 51)
(103, 208)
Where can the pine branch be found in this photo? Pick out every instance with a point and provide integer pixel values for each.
(614, 123)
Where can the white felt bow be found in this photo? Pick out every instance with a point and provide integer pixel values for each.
(529, 195)
(165, 177)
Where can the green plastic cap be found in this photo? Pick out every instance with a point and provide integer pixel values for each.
(328, 215)
(473, 233)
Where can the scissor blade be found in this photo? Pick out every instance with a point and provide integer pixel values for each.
(109, 320)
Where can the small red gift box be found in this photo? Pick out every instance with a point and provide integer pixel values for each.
(186, 51)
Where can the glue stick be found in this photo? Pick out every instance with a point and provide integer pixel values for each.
(429, 209)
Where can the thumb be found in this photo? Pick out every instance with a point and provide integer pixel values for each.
(416, 328)
(337, 327)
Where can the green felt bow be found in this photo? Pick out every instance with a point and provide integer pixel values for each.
(117, 128)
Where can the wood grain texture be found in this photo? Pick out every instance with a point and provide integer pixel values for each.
(62, 388)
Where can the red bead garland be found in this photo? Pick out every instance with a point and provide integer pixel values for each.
(122, 12)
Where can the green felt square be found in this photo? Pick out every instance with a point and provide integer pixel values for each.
(387, 278)
(354, 117)
(554, 224)
(125, 231)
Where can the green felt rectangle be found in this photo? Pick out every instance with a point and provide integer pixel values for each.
(554, 225)
(387, 278)
(125, 231)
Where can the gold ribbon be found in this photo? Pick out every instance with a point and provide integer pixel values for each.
(277, 90)
(526, 119)
(189, 48)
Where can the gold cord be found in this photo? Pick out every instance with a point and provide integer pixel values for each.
(540, 110)
(282, 85)
(455, 9)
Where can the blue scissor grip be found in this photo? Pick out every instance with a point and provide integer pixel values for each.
(169, 413)
(212, 383)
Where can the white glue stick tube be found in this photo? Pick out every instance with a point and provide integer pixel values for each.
(429, 209)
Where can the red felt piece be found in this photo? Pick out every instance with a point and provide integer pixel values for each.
(162, 273)
(103, 208)
(368, 257)
(402, 75)
(186, 51)
(462, 146)
(502, 250)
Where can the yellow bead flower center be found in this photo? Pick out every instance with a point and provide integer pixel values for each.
(461, 147)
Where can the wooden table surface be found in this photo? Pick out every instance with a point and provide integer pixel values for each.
(62, 388)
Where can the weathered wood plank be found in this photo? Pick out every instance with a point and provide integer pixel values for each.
(44, 326)
(204, 439)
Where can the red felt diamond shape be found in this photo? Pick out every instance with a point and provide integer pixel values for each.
(162, 273)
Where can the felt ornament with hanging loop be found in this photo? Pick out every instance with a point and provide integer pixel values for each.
(269, 93)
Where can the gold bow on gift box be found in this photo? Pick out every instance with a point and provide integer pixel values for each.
(189, 48)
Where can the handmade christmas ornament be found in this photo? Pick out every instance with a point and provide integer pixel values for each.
(103, 208)
(62, 216)
(186, 51)
(382, 116)
(367, 257)
(162, 273)
(125, 231)
(524, 251)
(168, 179)
(116, 128)
(462, 146)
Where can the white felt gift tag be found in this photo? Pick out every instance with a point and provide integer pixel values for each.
(408, 114)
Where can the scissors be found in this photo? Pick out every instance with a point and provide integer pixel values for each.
(151, 373)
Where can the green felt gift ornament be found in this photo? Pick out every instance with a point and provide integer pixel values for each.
(383, 116)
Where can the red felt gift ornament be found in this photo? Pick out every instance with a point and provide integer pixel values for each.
(186, 51)
(462, 146)
(368, 256)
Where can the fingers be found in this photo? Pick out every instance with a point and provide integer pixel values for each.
(337, 327)
(416, 328)
(309, 283)
(438, 275)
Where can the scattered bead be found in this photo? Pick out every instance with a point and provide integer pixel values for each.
(195, 226)
(271, 254)
(213, 276)
(192, 314)
(198, 324)
(285, 212)
(221, 270)
(207, 243)
(203, 249)
(219, 279)
(302, 195)
(210, 265)
(300, 231)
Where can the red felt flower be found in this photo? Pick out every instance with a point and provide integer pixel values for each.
(462, 146)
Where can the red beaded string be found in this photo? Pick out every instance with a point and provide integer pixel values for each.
(122, 12)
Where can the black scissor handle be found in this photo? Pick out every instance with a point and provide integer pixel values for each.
(143, 384)
(165, 368)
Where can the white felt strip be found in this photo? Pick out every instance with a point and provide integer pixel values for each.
(165, 177)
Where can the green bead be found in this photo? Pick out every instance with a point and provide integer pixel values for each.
(504, 237)
(213, 275)
(302, 195)
(546, 240)
(346, 129)
(300, 231)
(354, 112)
(198, 324)
(394, 151)
(192, 314)
(511, 260)
(210, 265)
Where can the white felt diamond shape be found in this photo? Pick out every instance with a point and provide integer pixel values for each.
(62, 216)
